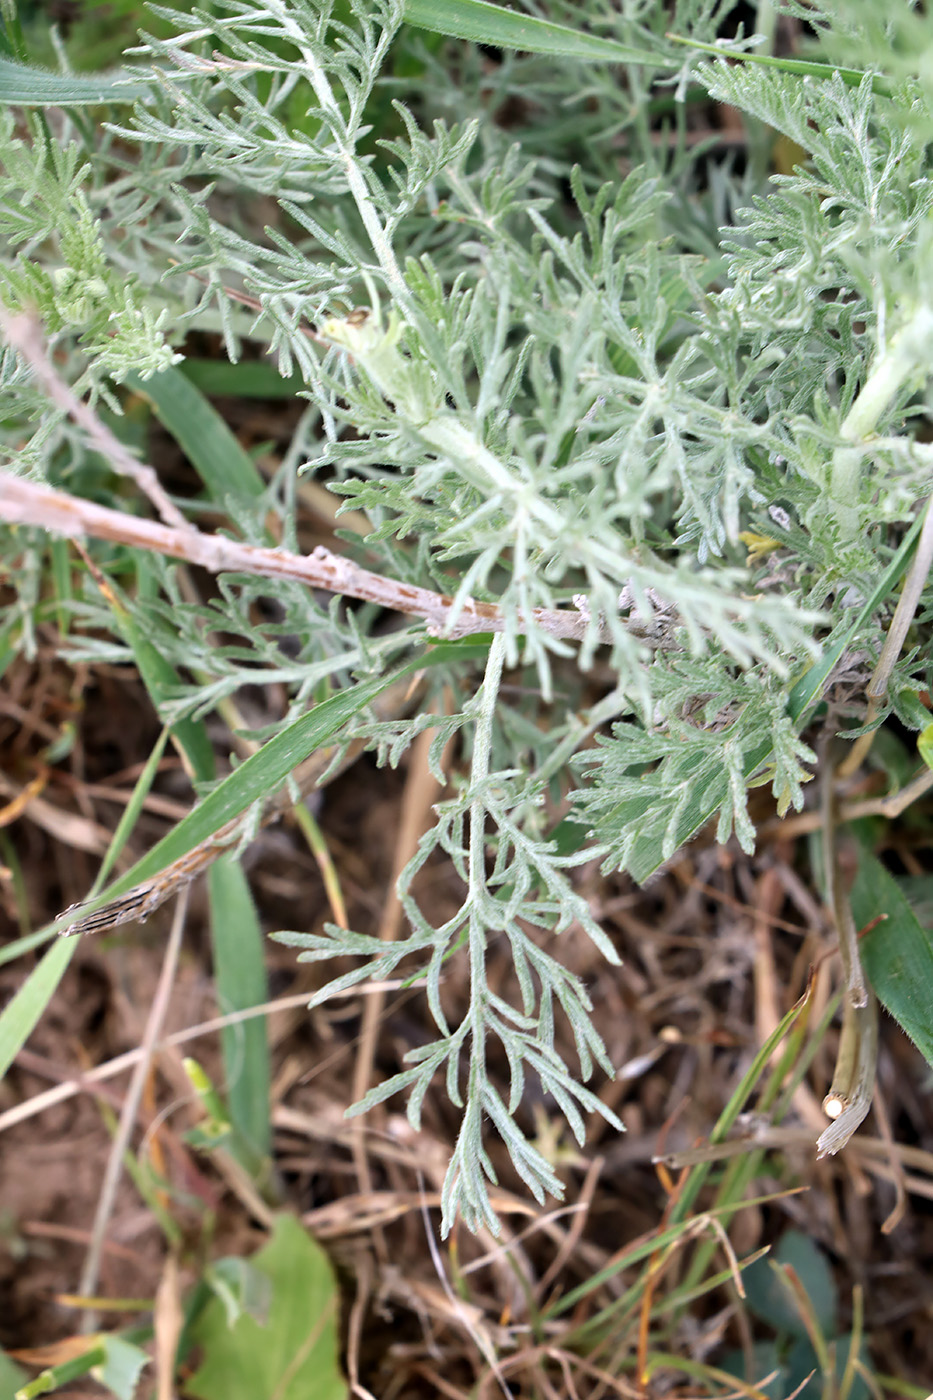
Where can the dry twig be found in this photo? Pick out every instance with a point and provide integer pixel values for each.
(24, 502)
(160, 1005)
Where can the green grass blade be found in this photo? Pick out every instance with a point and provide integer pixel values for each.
(263, 773)
(25, 944)
(506, 29)
(18, 889)
(158, 675)
(60, 568)
(240, 973)
(21, 1015)
(12, 39)
(214, 452)
(239, 964)
(256, 778)
(22, 85)
(740, 1096)
(805, 68)
(636, 1253)
(897, 954)
(132, 810)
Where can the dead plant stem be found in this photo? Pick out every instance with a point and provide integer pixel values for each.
(25, 502)
(120, 1145)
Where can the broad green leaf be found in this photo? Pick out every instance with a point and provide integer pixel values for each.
(772, 1303)
(241, 1289)
(762, 1359)
(800, 1382)
(240, 972)
(222, 464)
(121, 1367)
(293, 1356)
(501, 28)
(21, 85)
(918, 891)
(897, 953)
(113, 1361)
(11, 1377)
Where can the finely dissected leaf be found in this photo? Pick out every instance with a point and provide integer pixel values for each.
(293, 1356)
(21, 85)
(500, 899)
(647, 843)
(501, 27)
(548, 388)
(897, 953)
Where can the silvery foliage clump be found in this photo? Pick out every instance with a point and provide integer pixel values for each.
(606, 368)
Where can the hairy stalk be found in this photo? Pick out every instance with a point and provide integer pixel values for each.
(478, 934)
(906, 353)
(346, 136)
